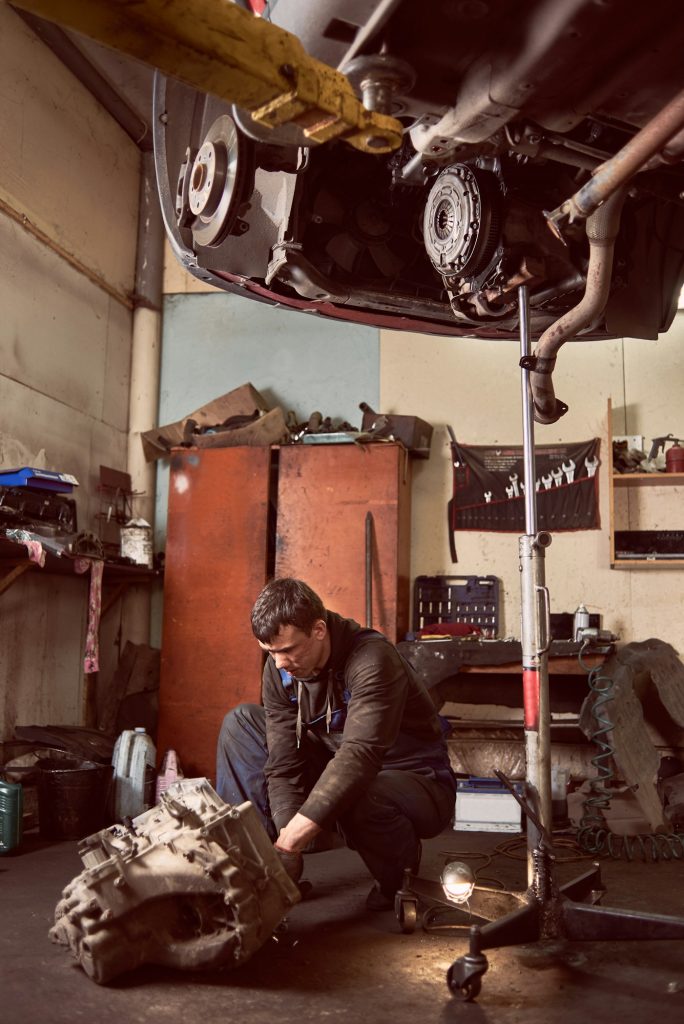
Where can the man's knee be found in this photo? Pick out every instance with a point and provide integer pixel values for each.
(375, 805)
(243, 718)
(395, 795)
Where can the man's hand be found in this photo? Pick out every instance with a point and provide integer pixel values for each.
(291, 841)
(297, 834)
(292, 862)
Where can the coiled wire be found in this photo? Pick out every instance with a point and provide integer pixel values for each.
(593, 836)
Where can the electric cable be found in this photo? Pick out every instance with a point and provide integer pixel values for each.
(566, 849)
(593, 834)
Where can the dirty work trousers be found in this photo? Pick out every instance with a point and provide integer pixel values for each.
(385, 824)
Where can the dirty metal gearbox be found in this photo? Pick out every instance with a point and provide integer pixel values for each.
(193, 883)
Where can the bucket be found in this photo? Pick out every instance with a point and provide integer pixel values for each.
(72, 797)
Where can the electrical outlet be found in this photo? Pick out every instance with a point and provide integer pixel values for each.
(633, 441)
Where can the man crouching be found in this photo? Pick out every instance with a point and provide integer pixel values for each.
(347, 738)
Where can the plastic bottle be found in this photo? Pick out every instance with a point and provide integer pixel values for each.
(170, 772)
(134, 762)
(580, 622)
(11, 814)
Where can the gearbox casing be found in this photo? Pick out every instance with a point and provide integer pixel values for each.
(193, 883)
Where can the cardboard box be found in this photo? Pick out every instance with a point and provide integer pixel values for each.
(270, 428)
(415, 434)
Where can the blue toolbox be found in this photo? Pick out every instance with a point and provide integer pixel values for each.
(38, 479)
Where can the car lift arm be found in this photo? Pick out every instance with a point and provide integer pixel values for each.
(220, 48)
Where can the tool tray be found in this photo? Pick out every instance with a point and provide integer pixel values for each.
(473, 600)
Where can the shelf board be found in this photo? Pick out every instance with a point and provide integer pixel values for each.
(647, 479)
(647, 563)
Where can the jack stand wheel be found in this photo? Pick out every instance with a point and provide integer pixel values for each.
(464, 977)
(406, 911)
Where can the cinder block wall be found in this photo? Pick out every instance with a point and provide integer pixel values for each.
(65, 346)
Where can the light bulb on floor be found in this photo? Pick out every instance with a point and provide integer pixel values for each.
(458, 881)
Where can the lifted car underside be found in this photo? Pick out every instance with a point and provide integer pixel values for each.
(507, 109)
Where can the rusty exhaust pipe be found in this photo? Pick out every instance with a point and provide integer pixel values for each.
(602, 230)
(637, 155)
(600, 202)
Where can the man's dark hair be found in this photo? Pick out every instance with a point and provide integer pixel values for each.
(285, 602)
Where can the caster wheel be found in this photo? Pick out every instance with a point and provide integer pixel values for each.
(407, 914)
(466, 992)
(465, 978)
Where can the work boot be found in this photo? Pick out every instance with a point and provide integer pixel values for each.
(380, 899)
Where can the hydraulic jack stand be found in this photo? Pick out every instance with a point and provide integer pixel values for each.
(545, 911)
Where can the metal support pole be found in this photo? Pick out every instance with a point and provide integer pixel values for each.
(535, 618)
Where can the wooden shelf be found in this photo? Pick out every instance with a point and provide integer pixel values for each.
(647, 563)
(647, 479)
(14, 558)
(626, 480)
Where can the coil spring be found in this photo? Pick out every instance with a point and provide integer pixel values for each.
(593, 836)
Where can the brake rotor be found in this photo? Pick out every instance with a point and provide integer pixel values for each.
(461, 221)
(215, 182)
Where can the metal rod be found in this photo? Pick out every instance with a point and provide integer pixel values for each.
(369, 569)
(534, 624)
(528, 415)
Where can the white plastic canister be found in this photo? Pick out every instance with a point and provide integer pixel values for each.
(136, 542)
(134, 762)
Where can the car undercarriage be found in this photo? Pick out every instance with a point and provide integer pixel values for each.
(506, 113)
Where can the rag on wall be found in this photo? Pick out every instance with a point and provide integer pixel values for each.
(91, 661)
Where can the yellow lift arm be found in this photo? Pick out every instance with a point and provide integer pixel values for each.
(220, 48)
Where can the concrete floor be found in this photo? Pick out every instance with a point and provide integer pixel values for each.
(339, 962)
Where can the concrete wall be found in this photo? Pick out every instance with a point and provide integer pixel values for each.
(65, 340)
(475, 387)
(215, 342)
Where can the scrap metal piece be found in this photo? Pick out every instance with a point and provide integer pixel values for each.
(225, 50)
(193, 883)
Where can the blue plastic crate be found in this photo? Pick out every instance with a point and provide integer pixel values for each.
(38, 479)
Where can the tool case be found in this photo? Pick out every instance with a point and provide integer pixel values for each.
(473, 600)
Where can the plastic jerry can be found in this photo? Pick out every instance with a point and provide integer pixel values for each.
(134, 762)
(11, 814)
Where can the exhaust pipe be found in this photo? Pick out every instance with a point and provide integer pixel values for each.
(600, 202)
(602, 230)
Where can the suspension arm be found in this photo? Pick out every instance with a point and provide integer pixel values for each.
(220, 48)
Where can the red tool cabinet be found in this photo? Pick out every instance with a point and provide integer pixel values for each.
(222, 504)
(324, 493)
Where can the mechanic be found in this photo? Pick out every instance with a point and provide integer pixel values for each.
(347, 738)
